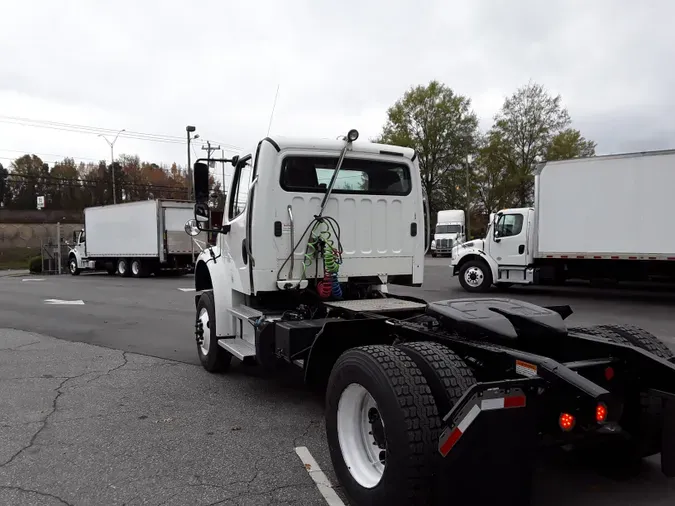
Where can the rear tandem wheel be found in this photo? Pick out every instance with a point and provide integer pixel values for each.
(382, 427)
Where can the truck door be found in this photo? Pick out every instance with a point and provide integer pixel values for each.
(237, 211)
(508, 244)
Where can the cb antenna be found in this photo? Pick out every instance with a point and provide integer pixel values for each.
(273, 107)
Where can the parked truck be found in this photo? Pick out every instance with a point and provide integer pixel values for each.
(427, 403)
(134, 239)
(449, 231)
(603, 217)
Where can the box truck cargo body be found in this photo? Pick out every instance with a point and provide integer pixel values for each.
(604, 217)
(134, 238)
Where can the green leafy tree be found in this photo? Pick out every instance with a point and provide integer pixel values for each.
(494, 185)
(569, 144)
(30, 178)
(527, 123)
(441, 127)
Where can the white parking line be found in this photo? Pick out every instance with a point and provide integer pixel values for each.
(33, 279)
(64, 302)
(187, 289)
(320, 479)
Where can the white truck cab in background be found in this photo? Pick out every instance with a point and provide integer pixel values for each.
(597, 218)
(450, 231)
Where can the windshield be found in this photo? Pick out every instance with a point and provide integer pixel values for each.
(448, 229)
(374, 177)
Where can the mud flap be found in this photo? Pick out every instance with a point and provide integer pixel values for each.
(668, 434)
(489, 446)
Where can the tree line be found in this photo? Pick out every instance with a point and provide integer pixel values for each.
(532, 126)
(68, 185)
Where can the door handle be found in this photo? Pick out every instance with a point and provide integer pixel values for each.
(521, 249)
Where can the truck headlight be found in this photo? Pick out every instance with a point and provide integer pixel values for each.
(433, 243)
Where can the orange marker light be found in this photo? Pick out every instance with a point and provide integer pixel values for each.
(601, 413)
(566, 422)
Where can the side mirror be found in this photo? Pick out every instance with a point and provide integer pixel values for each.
(192, 228)
(201, 182)
(202, 212)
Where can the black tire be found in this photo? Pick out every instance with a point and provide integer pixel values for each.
(410, 418)
(629, 335)
(646, 422)
(123, 267)
(72, 266)
(433, 255)
(139, 268)
(483, 276)
(640, 338)
(216, 359)
(446, 373)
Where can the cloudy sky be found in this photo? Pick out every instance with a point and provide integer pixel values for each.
(156, 66)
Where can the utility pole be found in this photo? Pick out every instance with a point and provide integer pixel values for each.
(208, 150)
(468, 202)
(189, 129)
(112, 161)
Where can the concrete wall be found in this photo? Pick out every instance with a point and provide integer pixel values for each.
(32, 235)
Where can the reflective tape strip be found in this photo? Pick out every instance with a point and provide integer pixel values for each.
(449, 437)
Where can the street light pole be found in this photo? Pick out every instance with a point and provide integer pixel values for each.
(112, 161)
(189, 129)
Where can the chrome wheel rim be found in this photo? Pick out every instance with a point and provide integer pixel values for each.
(206, 332)
(474, 276)
(360, 431)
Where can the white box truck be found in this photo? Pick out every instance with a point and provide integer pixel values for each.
(134, 239)
(603, 217)
(449, 231)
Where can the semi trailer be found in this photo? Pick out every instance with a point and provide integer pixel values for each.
(134, 239)
(449, 231)
(597, 218)
(425, 402)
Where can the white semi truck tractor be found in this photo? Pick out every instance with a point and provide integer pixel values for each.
(450, 231)
(425, 403)
(603, 217)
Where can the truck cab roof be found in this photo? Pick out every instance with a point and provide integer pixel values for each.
(299, 143)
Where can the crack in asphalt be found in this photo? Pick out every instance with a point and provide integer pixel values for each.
(59, 392)
(37, 492)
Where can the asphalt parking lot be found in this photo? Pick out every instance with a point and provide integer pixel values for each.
(136, 420)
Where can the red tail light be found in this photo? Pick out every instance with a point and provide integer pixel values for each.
(566, 421)
(601, 413)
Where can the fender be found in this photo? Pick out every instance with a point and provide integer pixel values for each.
(72, 252)
(469, 251)
(210, 275)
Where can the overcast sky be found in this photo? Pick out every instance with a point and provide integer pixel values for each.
(157, 66)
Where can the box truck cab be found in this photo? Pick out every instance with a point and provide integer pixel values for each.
(502, 257)
(449, 231)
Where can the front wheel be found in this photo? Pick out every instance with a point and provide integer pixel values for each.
(212, 357)
(73, 267)
(475, 276)
(382, 427)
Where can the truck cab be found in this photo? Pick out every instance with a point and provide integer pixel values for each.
(503, 257)
(296, 227)
(77, 260)
(450, 231)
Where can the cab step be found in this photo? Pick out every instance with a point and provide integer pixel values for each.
(238, 347)
(245, 312)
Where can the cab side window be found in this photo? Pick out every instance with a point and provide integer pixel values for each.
(240, 182)
(509, 225)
